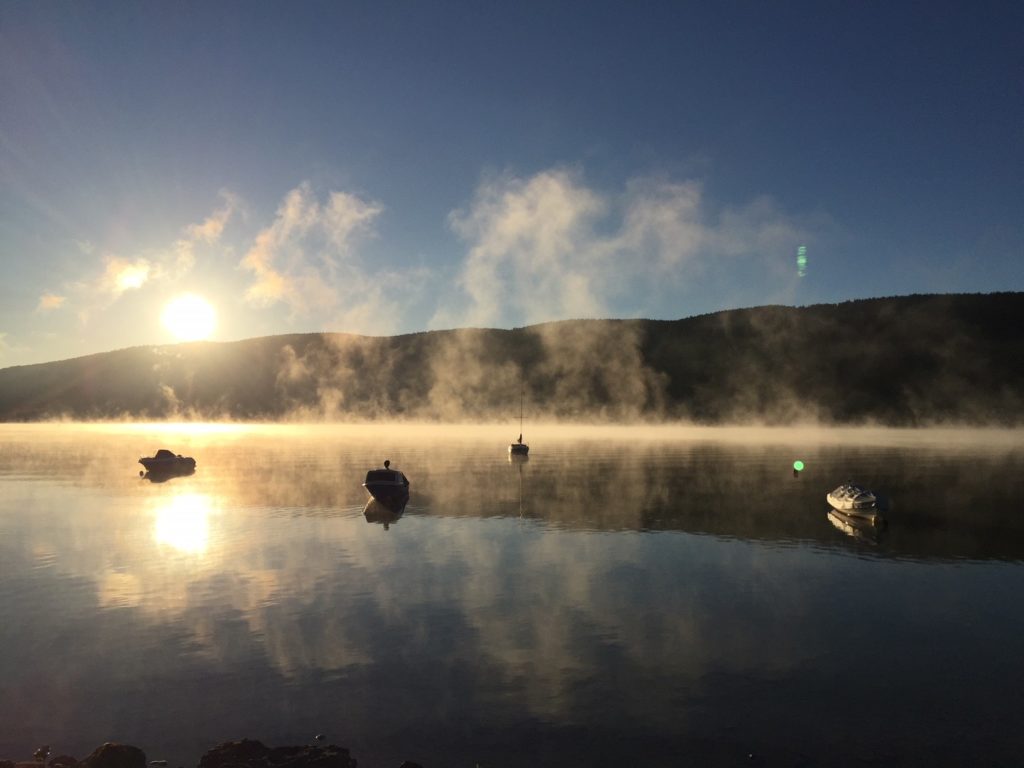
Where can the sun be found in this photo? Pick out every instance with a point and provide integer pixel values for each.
(189, 317)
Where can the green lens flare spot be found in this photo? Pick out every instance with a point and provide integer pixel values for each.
(798, 465)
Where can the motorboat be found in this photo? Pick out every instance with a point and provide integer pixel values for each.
(387, 485)
(167, 462)
(853, 500)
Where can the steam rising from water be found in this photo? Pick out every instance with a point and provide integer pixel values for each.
(594, 372)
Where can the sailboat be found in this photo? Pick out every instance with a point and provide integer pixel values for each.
(519, 448)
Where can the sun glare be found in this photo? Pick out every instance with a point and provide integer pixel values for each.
(184, 523)
(189, 317)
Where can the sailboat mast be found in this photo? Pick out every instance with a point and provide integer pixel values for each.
(519, 448)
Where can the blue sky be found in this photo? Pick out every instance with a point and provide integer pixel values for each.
(392, 167)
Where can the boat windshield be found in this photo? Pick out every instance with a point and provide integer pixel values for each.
(382, 476)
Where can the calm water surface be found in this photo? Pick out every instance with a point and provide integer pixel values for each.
(621, 598)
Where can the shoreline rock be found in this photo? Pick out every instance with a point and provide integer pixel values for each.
(253, 754)
(243, 753)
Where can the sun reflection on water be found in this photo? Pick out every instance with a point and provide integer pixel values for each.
(184, 523)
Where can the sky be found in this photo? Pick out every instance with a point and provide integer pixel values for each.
(394, 167)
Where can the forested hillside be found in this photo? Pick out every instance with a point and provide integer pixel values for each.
(905, 361)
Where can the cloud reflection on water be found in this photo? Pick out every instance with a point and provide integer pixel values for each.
(630, 596)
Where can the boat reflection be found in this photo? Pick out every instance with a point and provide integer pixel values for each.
(384, 512)
(519, 459)
(862, 529)
(163, 474)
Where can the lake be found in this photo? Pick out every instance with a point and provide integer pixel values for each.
(655, 597)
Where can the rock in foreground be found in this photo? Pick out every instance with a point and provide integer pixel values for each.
(231, 754)
(253, 754)
(112, 755)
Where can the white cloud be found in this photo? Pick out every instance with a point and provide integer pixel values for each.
(208, 232)
(211, 228)
(662, 221)
(305, 257)
(541, 247)
(123, 274)
(533, 249)
(50, 301)
(345, 216)
(549, 247)
(120, 275)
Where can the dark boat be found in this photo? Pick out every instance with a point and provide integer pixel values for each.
(169, 463)
(387, 485)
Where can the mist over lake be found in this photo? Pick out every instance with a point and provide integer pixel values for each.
(625, 596)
